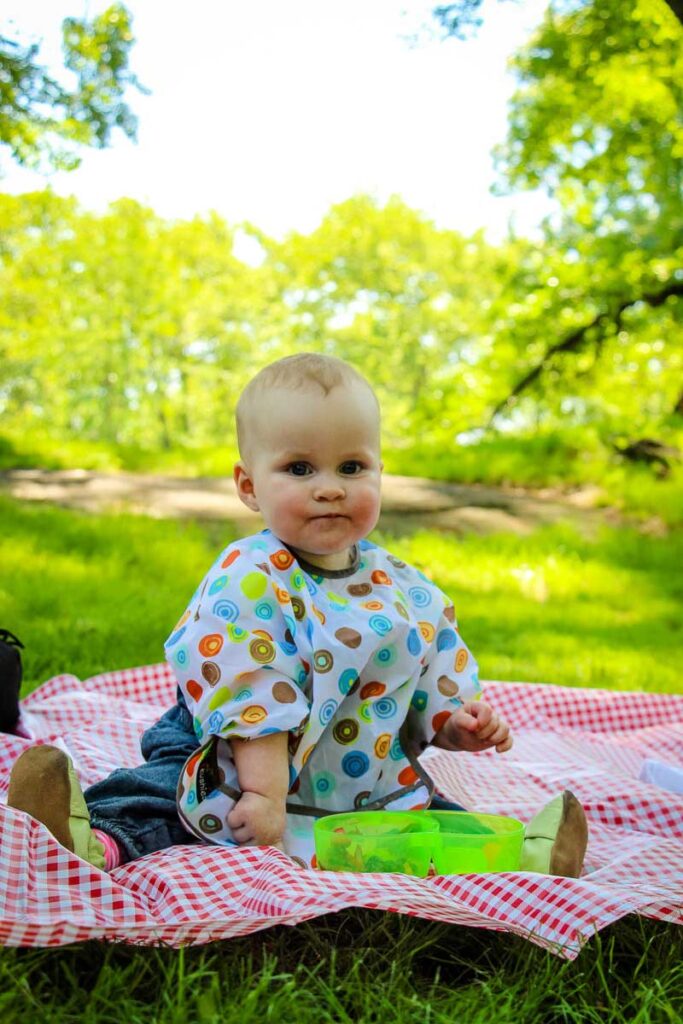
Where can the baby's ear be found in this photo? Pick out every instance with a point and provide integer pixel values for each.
(245, 486)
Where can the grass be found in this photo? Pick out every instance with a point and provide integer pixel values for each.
(357, 967)
(558, 607)
(88, 593)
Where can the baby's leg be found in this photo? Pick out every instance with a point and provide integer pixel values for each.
(555, 839)
(132, 812)
(43, 783)
(137, 806)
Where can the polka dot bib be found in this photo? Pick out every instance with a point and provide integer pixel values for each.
(360, 666)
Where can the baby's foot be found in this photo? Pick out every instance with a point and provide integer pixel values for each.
(556, 838)
(44, 784)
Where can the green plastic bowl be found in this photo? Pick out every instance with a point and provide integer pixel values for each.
(474, 843)
(376, 841)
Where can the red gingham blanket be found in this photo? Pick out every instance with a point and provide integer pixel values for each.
(591, 741)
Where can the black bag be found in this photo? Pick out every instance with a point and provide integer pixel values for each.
(10, 680)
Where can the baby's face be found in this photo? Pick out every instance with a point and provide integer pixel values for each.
(313, 470)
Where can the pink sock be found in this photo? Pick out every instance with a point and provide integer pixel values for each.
(112, 850)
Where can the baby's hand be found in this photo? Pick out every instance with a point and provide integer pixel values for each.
(474, 726)
(257, 820)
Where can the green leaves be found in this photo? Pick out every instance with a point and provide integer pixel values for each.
(598, 120)
(599, 101)
(43, 122)
(132, 331)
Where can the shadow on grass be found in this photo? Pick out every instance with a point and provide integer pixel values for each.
(357, 965)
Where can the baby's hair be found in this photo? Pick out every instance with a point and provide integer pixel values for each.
(302, 372)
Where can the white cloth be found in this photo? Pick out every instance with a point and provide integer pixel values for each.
(658, 773)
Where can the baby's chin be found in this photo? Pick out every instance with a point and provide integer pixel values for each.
(324, 556)
(322, 536)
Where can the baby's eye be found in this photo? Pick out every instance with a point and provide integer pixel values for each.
(351, 467)
(298, 469)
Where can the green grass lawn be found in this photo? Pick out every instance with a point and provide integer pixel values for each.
(356, 967)
(89, 593)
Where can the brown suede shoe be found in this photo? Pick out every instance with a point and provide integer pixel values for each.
(556, 838)
(43, 783)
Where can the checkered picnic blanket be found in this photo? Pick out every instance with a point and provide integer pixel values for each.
(591, 741)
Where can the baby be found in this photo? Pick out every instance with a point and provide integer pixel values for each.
(327, 664)
(314, 667)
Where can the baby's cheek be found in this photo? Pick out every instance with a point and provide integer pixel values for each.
(290, 509)
(367, 507)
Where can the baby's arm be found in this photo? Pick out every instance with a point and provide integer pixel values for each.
(258, 817)
(474, 726)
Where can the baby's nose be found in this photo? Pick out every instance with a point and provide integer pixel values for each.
(329, 489)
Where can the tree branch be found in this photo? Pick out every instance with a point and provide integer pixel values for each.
(574, 340)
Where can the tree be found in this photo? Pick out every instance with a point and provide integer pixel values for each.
(42, 121)
(382, 286)
(597, 121)
(119, 327)
(127, 329)
(462, 18)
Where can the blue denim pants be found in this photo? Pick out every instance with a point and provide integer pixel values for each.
(138, 805)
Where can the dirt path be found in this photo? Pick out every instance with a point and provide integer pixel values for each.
(408, 502)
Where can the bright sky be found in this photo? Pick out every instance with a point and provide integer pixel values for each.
(270, 111)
